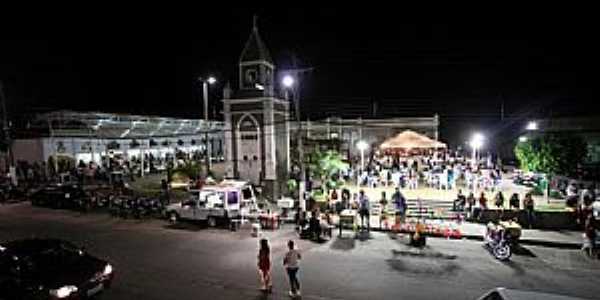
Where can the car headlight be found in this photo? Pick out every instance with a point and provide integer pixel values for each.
(107, 270)
(64, 291)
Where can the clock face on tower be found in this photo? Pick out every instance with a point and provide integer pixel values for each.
(250, 77)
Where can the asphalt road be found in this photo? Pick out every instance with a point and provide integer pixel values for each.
(156, 261)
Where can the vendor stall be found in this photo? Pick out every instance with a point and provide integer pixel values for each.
(408, 142)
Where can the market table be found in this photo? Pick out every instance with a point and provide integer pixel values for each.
(269, 221)
(347, 217)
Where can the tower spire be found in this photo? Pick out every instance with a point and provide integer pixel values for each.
(255, 48)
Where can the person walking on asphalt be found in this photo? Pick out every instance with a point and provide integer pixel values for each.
(264, 266)
(589, 235)
(364, 210)
(291, 264)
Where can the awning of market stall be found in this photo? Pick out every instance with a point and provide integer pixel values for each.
(409, 139)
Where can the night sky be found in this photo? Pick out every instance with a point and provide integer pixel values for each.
(462, 68)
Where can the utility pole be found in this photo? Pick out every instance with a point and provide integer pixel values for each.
(6, 128)
(502, 109)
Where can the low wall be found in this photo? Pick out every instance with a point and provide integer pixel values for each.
(543, 220)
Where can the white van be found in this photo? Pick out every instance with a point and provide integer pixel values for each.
(230, 199)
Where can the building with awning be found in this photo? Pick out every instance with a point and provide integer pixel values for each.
(88, 136)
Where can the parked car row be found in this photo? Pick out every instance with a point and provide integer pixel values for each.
(214, 204)
(61, 196)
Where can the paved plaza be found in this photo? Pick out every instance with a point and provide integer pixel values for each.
(154, 260)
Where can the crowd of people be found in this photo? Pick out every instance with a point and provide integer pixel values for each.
(436, 169)
(114, 170)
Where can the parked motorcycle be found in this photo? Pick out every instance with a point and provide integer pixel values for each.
(154, 207)
(501, 238)
(128, 208)
(102, 200)
(116, 205)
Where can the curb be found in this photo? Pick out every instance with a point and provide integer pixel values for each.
(533, 242)
(523, 241)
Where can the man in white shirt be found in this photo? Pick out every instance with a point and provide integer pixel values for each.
(290, 262)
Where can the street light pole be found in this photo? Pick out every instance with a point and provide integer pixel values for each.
(362, 146)
(205, 83)
(362, 159)
(476, 143)
(290, 83)
(206, 147)
(474, 158)
(300, 146)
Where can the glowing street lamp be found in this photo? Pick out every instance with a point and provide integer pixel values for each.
(476, 143)
(522, 139)
(288, 81)
(362, 146)
(532, 125)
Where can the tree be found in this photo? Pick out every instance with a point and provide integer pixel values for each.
(186, 171)
(552, 154)
(326, 165)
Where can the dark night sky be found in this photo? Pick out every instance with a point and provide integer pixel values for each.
(459, 67)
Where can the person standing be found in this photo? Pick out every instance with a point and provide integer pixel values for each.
(514, 201)
(333, 201)
(400, 205)
(383, 202)
(164, 188)
(482, 201)
(482, 206)
(459, 202)
(364, 210)
(264, 266)
(499, 201)
(291, 264)
(529, 205)
(450, 171)
(345, 199)
(471, 203)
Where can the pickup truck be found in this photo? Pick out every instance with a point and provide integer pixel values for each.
(215, 204)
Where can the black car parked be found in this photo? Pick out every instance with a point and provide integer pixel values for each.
(61, 196)
(50, 269)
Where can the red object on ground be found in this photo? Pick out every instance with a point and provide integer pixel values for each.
(456, 234)
(269, 221)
